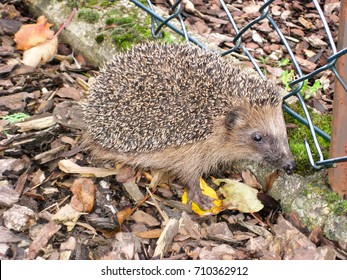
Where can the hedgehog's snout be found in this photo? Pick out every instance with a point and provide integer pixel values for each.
(289, 167)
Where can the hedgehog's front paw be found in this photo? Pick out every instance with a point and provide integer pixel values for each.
(203, 201)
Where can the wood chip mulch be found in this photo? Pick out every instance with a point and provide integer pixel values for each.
(52, 207)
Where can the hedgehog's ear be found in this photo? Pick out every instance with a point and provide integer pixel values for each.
(234, 116)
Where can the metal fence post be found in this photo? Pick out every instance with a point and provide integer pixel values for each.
(338, 175)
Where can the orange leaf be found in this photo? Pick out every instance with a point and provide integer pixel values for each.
(84, 194)
(124, 214)
(30, 35)
(41, 53)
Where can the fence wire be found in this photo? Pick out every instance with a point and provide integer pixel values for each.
(158, 22)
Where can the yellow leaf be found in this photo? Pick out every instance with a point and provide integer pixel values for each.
(214, 210)
(185, 197)
(208, 191)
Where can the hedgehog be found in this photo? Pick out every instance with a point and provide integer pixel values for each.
(186, 111)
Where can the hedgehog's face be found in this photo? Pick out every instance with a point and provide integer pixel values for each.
(261, 135)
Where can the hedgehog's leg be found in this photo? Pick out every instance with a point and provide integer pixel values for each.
(195, 194)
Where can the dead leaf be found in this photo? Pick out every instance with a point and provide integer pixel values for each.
(124, 214)
(41, 53)
(239, 196)
(84, 195)
(270, 179)
(208, 191)
(30, 35)
(250, 179)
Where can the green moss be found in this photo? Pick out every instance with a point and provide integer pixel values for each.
(335, 203)
(124, 25)
(129, 27)
(340, 207)
(102, 3)
(88, 3)
(332, 197)
(88, 15)
(297, 135)
(99, 38)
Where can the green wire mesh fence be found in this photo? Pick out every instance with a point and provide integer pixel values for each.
(158, 22)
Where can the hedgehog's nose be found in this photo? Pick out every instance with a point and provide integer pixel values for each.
(289, 167)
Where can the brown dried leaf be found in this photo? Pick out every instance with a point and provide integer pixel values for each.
(30, 35)
(84, 195)
(124, 214)
(250, 179)
(271, 178)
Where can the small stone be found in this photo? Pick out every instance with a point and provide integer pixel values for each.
(19, 218)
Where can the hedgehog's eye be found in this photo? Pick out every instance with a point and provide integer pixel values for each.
(257, 137)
